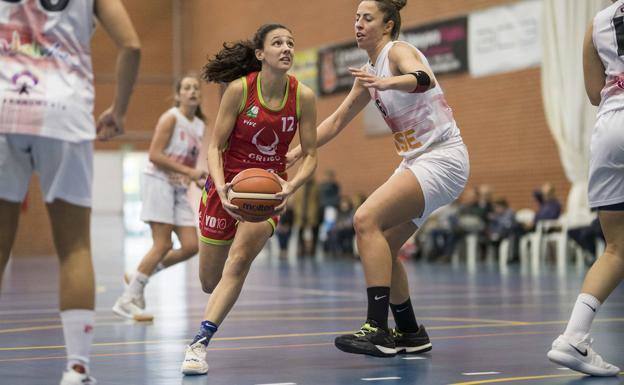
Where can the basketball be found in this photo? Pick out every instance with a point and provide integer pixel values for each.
(253, 191)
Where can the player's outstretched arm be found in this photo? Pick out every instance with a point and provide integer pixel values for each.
(355, 101)
(116, 22)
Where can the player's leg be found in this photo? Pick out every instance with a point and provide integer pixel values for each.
(249, 240)
(573, 348)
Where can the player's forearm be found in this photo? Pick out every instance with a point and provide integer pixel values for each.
(215, 166)
(163, 161)
(308, 165)
(128, 61)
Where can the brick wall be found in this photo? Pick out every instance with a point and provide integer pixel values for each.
(501, 117)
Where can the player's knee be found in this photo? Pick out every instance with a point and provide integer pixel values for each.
(363, 221)
(237, 265)
(163, 246)
(209, 283)
(190, 249)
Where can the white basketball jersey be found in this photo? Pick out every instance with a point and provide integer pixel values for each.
(46, 78)
(417, 120)
(183, 146)
(608, 39)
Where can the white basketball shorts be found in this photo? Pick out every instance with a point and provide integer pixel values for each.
(65, 168)
(442, 173)
(164, 202)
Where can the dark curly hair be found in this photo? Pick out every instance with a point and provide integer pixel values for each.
(239, 58)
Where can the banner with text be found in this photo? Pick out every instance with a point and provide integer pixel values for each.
(505, 38)
(443, 43)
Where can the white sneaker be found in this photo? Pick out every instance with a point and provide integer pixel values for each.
(195, 359)
(128, 307)
(580, 356)
(138, 299)
(72, 377)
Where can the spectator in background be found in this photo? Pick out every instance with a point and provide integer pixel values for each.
(586, 237)
(284, 230)
(329, 193)
(445, 232)
(549, 206)
(341, 236)
(502, 224)
(474, 214)
(306, 216)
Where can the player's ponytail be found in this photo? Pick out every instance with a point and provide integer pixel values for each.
(237, 59)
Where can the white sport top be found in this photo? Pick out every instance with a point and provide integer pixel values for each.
(46, 78)
(183, 147)
(417, 120)
(608, 37)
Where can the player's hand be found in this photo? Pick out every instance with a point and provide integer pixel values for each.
(293, 156)
(287, 190)
(369, 80)
(227, 205)
(198, 177)
(109, 125)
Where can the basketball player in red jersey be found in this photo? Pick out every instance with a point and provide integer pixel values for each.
(259, 115)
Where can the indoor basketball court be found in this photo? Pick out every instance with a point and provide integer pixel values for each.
(494, 272)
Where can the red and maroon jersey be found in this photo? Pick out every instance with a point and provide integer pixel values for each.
(261, 135)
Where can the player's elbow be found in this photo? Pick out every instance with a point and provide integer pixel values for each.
(132, 46)
(594, 100)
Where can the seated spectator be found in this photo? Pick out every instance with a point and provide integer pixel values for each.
(586, 237)
(502, 221)
(284, 230)
(341, 235)
(502, 225)
(549, 206)
(445, 232)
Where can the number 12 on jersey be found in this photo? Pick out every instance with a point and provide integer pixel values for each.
(288, 123)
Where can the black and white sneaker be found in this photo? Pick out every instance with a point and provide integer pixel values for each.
(370, 340)
(578, 355)
(411, 343)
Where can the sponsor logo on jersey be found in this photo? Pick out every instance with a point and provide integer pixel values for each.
(262, 146)
(249, 123)
(252, 111)
(215, 223)
(24, 81)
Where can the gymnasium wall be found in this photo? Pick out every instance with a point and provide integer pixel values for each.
(501, 117)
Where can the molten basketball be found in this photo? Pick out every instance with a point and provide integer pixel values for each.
(253, 191)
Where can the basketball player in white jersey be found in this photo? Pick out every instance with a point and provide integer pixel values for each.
(164, 193)
(433, 172)
(47, 126)
(603, 65)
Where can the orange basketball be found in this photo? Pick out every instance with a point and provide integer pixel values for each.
(253, 191)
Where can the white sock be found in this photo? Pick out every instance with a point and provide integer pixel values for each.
(137, 284)
(583, 314)
(78, 331)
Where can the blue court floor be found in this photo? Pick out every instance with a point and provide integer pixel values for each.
(487, 326)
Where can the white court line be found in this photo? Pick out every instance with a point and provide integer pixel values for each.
(414, 358)
(479, 373)
(563, 368)
(281, 383)
(381, 379)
